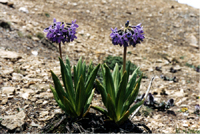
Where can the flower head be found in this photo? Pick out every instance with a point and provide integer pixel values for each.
(59, 32)
(130, 35)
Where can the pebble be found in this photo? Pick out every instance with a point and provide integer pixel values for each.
(23, 9)
(8, 90)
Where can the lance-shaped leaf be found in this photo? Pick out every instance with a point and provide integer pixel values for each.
(84, 70)
(101, 110)
(91, 78)
(123, 118)
(67, 104)
(132, 96)
(131, 83)
(67, 80)
(120, 95)
(58, 87)
(79, 68)
(111, 108)
(75, 78)
(57, 99)
(68, 65)
(116, 78)
(133, 108)
(80, 96)
(109, 84)
(103, 92)
(86, 108)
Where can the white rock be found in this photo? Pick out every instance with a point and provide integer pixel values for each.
(13, 121)
(4, 1)
(17, 76)
(35, 125)
(23, 9)
(34, 53)
(25, 95)
(13, 56)
(7, 71)
(8, 90)
(43, 113)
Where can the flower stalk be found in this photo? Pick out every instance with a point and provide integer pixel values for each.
(60, 51)
(124, 59)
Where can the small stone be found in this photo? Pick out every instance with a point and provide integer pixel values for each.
(13, 121)
(25, 95)
(35, 125)
(43, 113)
(3, 1)
(23, 9)
(34, 53)
(4, 101)
(7, 71)
(17, 77)
(13, 56)
(45, 95)
(8, 90)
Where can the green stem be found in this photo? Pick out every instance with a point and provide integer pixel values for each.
(124, 59)
(60, 51)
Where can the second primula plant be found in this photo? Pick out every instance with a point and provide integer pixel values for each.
(118, 91)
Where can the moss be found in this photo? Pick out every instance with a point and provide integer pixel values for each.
(112, 60)
(20, 34)
(29, 36)
(40, 35)
(47, 15)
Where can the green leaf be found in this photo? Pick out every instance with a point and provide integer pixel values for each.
(133, 108)
(116, 78)
(123, 118)
(103, 74)
(111, 108)
(132, 96)
(131, 83)
(67, 81)
(79, 68)
(75, 78)
(68, 65)
(58, 87)
(67, 104)
(90, 69)
(84, 70)
(91, 78)
(109, 84)
(103, 111)
(120, 95)
(80, 96)
(88, 102)
(103, 92)
(57, 99)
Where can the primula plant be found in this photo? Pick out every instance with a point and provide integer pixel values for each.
(117, 91)
(75, 99)
(61, 32)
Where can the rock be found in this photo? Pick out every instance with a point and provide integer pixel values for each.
(103, 2)
(35, 125)
(13, 56)
(3, 1)
(192, 40)
(25, 95)
(43, 113)
(13, 121)
(45, 95)
(8, 90)
(23, 9)
(17, 77)
(34, 53)
(7, 71)
(4, 101)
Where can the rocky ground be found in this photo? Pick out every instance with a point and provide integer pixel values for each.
(172, 41)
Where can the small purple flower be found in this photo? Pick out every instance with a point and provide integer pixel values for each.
(197, 108)
(150, 99)
(59, 33)
(170, 102)
(130, 35)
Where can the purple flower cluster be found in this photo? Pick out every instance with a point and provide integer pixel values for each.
(130, 35)
(59, 32)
